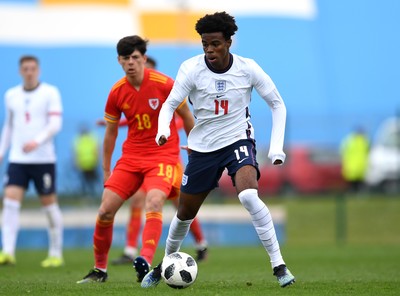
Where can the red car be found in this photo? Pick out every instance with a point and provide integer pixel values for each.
(307, 170)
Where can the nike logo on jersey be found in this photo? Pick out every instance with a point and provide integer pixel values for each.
(220, 96)
(240, 161)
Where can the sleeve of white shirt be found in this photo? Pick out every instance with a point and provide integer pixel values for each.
(278, 109)
(267, 90)
(54, 123)
(5, 133)
(179, 92)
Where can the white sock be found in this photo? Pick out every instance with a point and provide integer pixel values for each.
(263, 224)
(201, 245)
(10, 225)
(55, 230)
(178, 230)
(130, 251)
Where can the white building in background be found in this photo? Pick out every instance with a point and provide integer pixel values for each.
(80, 22)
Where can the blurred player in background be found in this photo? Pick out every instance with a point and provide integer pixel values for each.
(151, 63)
(33, 117)
(219, 85)
(139, 97)
(136, 208)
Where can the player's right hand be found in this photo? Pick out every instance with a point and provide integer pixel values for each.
(101, 122)
(106, 175)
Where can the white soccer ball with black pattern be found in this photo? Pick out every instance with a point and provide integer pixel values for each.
(179, 270)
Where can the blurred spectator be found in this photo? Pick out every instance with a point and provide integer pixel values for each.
(86, 154)
(354, 151)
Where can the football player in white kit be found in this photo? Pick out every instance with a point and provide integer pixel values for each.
(33, 117)
(219, 85)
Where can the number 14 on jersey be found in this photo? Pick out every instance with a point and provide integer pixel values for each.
(221, 106)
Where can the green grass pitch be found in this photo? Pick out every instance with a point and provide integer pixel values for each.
(228, 271)
(365, 262)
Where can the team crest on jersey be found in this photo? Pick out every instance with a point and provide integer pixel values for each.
(154, 103)
(184, 179)
(220, 85)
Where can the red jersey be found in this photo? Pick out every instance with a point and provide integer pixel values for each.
(178, 122)
(141, 109)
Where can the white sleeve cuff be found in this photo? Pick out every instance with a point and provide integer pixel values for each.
(281, 156)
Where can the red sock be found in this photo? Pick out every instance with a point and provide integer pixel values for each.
(151, 235)
(133, 229)
(102, 240)
(196, 231)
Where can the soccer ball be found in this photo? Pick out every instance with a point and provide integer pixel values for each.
(179, 270)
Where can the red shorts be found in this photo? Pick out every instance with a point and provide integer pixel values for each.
(176, 183)
(127, 178)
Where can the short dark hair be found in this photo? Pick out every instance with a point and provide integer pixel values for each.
(129, 44)
(217, 22)
(152, 62)
(25, 58)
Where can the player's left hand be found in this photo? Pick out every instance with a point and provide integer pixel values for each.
(277, 158)
(30, 146)
(186, 148)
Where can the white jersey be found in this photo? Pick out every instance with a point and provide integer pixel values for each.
(221, 104)
(31, 116)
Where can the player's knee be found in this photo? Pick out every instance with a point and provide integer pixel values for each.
(14, 192)
(105, 215)
(154, 204)
(185, 213)
(247, 197)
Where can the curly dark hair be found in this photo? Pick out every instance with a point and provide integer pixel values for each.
(217, 22)
(129, 44)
